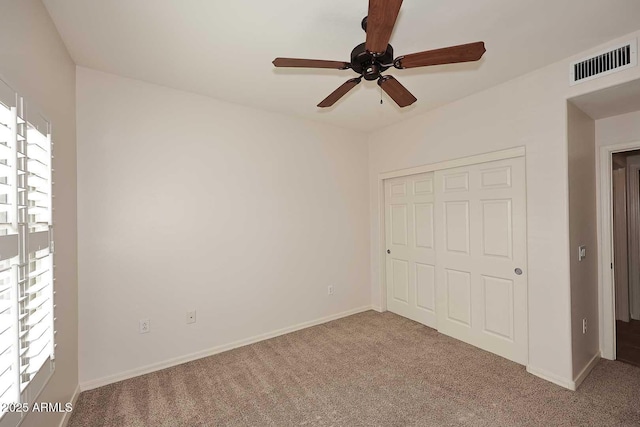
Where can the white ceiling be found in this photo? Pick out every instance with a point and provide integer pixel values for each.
(224, 49)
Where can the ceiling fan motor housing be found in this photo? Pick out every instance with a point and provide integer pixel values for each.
(369, 66)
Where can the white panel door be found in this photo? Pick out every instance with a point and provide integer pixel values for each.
(480, 241)
(410, 259)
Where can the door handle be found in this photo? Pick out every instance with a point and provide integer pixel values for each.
(388, 251)
(518, 271)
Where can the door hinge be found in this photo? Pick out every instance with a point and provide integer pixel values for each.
(612, 266)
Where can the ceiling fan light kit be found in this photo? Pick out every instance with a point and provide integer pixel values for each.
(370, 59)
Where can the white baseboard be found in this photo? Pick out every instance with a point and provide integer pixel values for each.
(564, 382)
(376, 308)
(586, 371)
(88, 385)
(74, 400)
(553, 378)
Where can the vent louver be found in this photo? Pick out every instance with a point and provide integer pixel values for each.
(613, 60)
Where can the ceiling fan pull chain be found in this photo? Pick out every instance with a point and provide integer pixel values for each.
(380, 95)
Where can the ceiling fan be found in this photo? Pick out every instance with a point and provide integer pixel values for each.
(375, 56)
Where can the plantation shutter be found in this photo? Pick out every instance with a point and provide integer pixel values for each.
(26, 254)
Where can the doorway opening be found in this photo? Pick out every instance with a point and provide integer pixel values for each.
(625, 178)
(616, 112)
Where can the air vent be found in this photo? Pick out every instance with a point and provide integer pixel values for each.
(611, 61)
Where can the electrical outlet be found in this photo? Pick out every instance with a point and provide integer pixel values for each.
(191, 316)
(330, 290)
(584, 326)
(145, 326)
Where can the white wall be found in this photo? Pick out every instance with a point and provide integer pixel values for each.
(529, 111)
(618, 129)
(187, 203)
(34, 61)
(582, 231)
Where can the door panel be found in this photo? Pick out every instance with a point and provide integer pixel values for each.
(423, 213)
(426, 287)
(454, 182)
(458, 294)
(456, 223)
(499, 177)
(399, 189)
(482, 240)
(423, 186)
(497, 236)
(400, 280)
(399, 229)
(410, 236)
(498, 306)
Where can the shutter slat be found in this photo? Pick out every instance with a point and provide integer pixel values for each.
(36, 318)
(38, 287)
(37, 332)
(6, 342)
(6, 362)
(36, 347)
(39, 272)
(37, 302)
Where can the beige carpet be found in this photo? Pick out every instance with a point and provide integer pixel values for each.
(370, 369)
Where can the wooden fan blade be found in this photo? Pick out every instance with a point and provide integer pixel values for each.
(310, 63)
(396, 91)
(339, 93)
(380, 22)
(448, 55)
